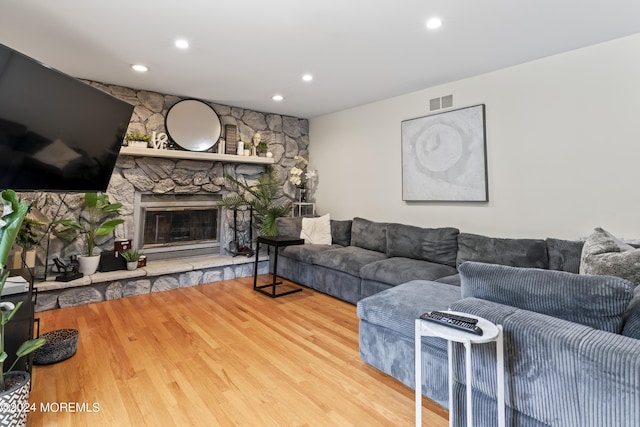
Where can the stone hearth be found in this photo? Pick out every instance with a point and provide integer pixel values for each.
(157, 276)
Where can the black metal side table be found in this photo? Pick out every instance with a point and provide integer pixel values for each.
(277, 242)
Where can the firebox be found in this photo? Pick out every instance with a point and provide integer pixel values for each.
(176, 225)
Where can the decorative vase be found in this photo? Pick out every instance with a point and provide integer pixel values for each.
(15, 400)
(88, 264)
(303, 194)
(132, 265)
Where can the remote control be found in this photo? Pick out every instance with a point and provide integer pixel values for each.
(446, 319)
(440, 315)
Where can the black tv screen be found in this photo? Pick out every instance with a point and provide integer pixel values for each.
(57, 133)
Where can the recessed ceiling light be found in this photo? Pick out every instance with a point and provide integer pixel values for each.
(307, 77)
(434, 23)
(139, 67)
(277, 98)
(182, 43)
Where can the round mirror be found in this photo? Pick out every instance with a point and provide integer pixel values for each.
(193, 125)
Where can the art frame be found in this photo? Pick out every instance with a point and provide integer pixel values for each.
(444, 157)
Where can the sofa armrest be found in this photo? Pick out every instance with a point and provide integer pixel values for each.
(557, 371)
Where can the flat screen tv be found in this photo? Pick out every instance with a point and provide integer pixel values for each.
(57, 133)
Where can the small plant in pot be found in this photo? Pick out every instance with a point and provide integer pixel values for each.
(29, 237)
(138, 140)
(14, 385)
(262, 149)
(97, 221)
(132, 256)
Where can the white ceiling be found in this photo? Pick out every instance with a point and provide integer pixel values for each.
(244, 51)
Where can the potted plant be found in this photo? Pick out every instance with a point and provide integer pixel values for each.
(261, 198)
(132, 256)
(14, 385)
(262, 149)
(28, 238)
(138, 140)
(94, 223)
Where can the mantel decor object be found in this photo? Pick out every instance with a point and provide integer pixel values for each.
(193, 125)
(444, 157)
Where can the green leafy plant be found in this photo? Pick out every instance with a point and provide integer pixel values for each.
(12, 217)
(130, 255)
(138, 137)
(261, 197)
(95, 224)
(262, 147)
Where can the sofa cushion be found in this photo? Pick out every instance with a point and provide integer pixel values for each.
(603, 254)
(454, 280)
(513, 252)
(430, 244)
(305, 253)
(631, 326)
(316, 231)
(564, 255)
(369, 235)
(341, 232)
(596, 301)
(348, 260)
(398, 270)
(399, 307)
(289, 226)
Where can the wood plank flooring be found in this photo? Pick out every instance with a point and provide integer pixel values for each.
(218, 355)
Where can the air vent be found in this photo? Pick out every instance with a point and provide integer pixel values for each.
(444, 102)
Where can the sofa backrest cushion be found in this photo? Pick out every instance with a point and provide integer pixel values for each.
(341, 232)
(564, 255)
(631, 326)
(513, 252)
(596, 301)
(438, 245)
(289, 226)
(605, 254)
(369, 235)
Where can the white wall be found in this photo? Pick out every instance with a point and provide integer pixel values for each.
(563, 146)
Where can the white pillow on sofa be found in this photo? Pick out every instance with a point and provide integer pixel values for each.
(316, 231)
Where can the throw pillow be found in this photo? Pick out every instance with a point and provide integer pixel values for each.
(316, 231)
(604, 254)
(596, 301)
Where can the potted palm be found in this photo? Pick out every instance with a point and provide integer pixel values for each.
(14, 385)
(96, 222)
(261, 198)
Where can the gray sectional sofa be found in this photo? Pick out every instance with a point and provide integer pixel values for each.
(572, 342)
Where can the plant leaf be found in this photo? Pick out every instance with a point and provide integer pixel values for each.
(3, 356)
(13, 222)
(91, 199)
(30, 346)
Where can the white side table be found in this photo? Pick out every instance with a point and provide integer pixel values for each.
(491, 333)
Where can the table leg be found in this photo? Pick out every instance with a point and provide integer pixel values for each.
(418, 372)
(500, 368)
(467, 346)
(255, 266)
(450, 368)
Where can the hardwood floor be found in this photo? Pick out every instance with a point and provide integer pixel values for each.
(218, 355)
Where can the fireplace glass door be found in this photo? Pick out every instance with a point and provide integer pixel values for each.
(184, 226)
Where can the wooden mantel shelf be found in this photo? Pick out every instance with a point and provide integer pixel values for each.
(194, 155)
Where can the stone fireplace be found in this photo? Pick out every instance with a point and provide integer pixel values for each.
(135, 176)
